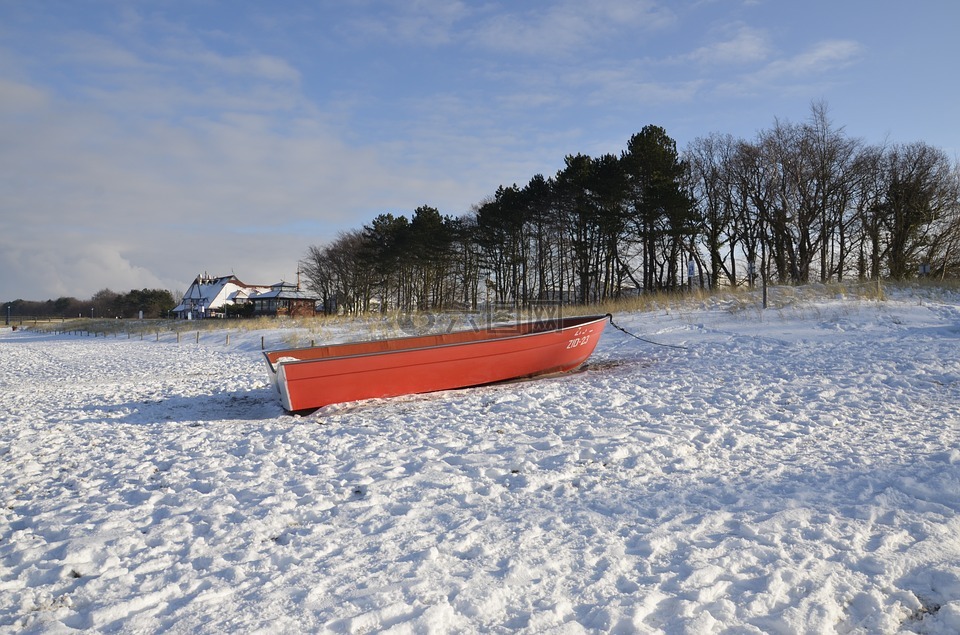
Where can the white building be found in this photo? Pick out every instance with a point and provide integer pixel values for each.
(208, 296)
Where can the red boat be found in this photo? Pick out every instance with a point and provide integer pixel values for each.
(309, 378)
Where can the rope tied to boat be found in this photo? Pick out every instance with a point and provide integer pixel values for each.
(642, 339)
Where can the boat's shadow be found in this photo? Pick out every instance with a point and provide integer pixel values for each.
(237, 405)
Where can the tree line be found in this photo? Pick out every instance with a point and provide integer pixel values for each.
(105, 303)
(797, 203)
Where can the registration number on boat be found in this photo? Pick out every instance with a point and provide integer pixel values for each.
(578, 341)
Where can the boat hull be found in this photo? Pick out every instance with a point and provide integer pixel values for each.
(310, 378)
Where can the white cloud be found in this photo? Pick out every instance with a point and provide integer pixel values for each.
(17, 97)
(742, 45)
(539, 29)
(417, 22)
(804, 74)
(822, 56)
(253, 65)
(630, 85)
(91, 51)
(568, 26)
(74, 263)
(40, 265)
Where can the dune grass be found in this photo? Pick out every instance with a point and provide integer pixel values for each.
(304, 331)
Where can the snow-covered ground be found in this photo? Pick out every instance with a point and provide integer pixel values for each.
(789, 471)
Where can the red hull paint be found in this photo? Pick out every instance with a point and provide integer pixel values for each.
(314, 377)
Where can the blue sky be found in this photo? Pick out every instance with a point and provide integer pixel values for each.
(142, 143)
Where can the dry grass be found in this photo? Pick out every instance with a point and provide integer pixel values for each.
(304, 331)
(130, 328)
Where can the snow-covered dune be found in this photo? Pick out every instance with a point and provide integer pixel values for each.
(794, 470)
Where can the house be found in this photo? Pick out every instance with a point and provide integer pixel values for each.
(209, 296)
(285, 298)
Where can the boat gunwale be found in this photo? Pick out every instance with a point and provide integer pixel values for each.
(275, 366)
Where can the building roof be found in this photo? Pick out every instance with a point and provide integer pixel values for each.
(284, 291)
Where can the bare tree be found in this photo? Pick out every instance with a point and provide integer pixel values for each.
(920, 205)
(338, 273)
(711, 170)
